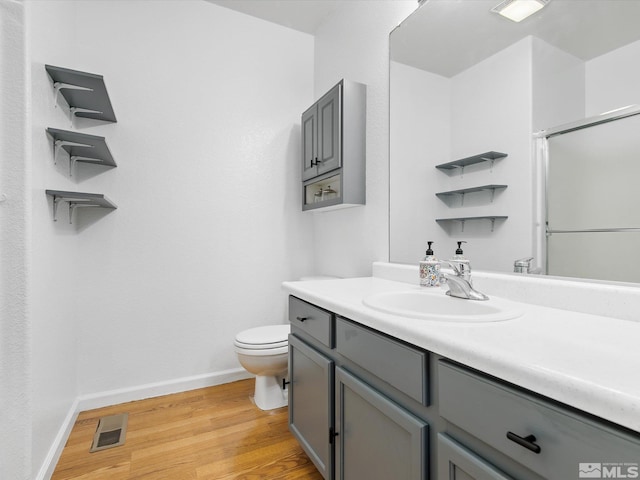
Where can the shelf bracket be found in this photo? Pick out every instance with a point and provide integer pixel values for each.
(79, 158)
(60, 144)
(57, 86)
(75, 110)
(493, 224)
(56, 201)
(462, 226)
(72, 161)
(492, 160)
(74, 205)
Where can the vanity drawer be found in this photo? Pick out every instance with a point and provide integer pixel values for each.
(503, 417)
(400, 365)
(313, 320)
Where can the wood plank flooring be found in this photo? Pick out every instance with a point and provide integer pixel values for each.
(210, 433)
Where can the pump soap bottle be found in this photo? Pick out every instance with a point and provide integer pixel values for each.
(462, 262)
(430, 269)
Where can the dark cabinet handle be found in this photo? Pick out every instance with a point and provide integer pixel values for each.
(332, 435)
(527, 442)
(285, 383)
(314, 161)
(302, 319)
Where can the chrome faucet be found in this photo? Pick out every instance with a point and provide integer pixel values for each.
(524, 265)
(460, 283)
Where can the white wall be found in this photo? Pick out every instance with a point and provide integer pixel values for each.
(55, 247)
(612, 80)
(558, 86)
(208, 223)
(354, 44)
(15, 254)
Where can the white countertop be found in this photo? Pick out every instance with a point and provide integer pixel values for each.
(590, 362)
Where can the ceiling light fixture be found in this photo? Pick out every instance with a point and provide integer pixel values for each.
(518, 10)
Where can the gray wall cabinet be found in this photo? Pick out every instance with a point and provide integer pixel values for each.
(321, 135)
(333, 148)
(386, 409)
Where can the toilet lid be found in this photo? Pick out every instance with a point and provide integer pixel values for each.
(270, 336)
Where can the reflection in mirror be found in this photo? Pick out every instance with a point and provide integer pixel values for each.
(465, 81)
(592, 193)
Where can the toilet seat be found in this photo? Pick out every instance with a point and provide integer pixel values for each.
(270, 337)
(261, 352)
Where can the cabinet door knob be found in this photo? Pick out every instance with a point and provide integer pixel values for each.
(527, 442)
(302, 319)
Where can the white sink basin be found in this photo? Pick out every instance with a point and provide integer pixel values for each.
(440, 307)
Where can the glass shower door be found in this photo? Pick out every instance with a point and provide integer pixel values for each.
(593, 201)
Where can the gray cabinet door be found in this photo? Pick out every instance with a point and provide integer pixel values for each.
(311, 403)
(375, 438)
(457, 463)
(329, 131)
(310, 143)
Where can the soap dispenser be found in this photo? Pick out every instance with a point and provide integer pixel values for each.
(462, 263)
(429, 269)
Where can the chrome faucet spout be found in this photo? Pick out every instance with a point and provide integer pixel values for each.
(460, 283)
(525, 265)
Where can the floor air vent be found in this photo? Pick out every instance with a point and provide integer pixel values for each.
(110, 432)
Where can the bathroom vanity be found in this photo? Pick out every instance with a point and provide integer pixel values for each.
(539, 393)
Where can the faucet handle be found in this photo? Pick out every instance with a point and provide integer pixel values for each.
(522, 265)
(455, 266)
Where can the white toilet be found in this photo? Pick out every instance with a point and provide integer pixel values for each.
(263, 351)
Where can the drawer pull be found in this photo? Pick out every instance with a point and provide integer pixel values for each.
(302, 319)
(526, 442)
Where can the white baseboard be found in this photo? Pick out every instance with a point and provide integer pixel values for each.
(140, 392)
(150, 390)
(53, 455)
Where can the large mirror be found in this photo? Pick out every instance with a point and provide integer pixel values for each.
(469, 89)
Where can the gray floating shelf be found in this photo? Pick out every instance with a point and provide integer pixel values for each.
(78, 199)
(470, 190)
(81, 147)
(462, 220)
(85, 93)
(463, 162)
